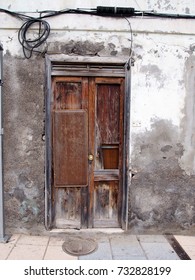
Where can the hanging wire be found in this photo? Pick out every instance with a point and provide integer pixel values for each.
(131, 44)
(28, 44)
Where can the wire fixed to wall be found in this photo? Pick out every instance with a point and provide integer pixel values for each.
(30, 45)
(131, 45)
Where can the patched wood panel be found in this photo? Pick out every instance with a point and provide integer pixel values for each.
(70, 148)
(68, 207)
(68, 95)
(106, 203)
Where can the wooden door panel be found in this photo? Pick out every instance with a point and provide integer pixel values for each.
(70, 151)
(70, 148)
(67, 93)
(107, 115)
(87, 120)
(68, 208)
(108, 126)
(106, 204)
(108, 150)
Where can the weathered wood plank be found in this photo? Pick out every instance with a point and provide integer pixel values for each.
(106, 202)
(68, 208)
(84, 207)
(68, 95)
(107, 113)
(122, 152)
(106, 175)
(91, 149)
(106, 80)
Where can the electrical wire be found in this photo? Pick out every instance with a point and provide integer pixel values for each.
(32, 45)
(29, 45)
(162, 15)
(131, 44)
(16, 15)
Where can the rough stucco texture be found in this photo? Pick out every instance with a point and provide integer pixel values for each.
(23, 145)
(162, 195)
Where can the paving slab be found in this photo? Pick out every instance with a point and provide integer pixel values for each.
(152, 238)
(14, 239)
(185, 240)
(188, 244)
(126, 248)
(6, 248)
(56, 241)
(117, 246)
(103, 251)
(33, 240)
(159, 251)
(27, 252)
(190, 251)
(55, 252)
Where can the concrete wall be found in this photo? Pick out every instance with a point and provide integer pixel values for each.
(162, 192)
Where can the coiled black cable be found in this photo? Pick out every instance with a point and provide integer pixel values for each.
(29, 45)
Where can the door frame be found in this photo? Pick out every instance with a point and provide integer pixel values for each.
(60, 65)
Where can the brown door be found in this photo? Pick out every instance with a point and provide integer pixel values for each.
(87, 145)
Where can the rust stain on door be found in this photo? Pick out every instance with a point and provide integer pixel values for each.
(70, 148)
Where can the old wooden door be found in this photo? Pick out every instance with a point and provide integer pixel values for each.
(87, 151)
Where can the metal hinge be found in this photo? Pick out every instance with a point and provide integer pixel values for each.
(1, 82)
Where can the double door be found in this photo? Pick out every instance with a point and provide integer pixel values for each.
(87, 151)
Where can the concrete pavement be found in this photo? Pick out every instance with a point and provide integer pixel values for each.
(112, 246)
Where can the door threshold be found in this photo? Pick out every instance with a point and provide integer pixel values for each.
(88, 230)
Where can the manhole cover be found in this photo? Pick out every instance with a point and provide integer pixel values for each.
(79, 247)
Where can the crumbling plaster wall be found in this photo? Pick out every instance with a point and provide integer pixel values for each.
(162, 193)
(23, 145)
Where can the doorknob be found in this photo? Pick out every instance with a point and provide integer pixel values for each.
(90, 157)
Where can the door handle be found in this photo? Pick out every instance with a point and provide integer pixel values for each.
(90, 157)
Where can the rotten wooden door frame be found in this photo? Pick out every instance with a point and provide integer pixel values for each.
(110, 63)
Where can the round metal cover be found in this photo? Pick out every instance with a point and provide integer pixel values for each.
(79, 247)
